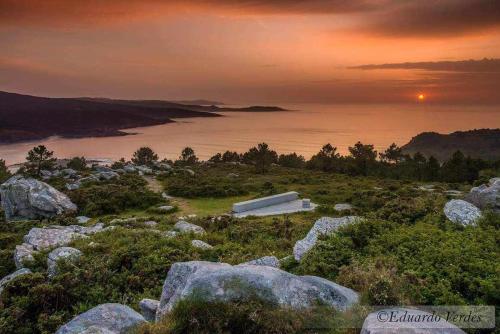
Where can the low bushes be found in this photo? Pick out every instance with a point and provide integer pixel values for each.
(114, 196)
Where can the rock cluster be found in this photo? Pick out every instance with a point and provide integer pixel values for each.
(323, 226)
(27, 198)
(53, 236)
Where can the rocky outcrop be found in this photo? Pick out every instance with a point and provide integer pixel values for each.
(323, 226)
(26, 198)
(185, 227)
(105, 318)
(462, 212)
(67, 253)
(223, 282)
(201, 245)
(270, 261)
(4, 281)
(486, 196)
(378, 323)
(53, 236)
(148, 308)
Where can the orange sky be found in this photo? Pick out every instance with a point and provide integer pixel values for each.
(253, 51)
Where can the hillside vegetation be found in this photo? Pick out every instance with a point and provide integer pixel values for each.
(405, 251)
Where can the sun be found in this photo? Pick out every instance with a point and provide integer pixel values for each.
(421, 97)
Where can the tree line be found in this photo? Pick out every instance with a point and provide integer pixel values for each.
(362, 159)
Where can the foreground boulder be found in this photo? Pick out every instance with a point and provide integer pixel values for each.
(223, 282)
(377, 323)
(26, 198)
(8, 278)
(462, 212)
(323, 226)
(486, 196)
(105, 318)
(67, 253)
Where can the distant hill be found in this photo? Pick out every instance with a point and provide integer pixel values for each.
(181, 105)
(26, 117)
(200, 102)
(482, 143)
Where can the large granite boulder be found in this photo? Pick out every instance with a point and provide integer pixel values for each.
(105, 318)
(223, 282)
(26, 198)
(379, 322)
(270, 261)
(462, 212)
(323, 226)
(486, 196)
(67, 253)
(8, 278)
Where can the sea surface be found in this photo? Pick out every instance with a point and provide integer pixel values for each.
(304, 129)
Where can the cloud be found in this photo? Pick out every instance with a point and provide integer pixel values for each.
(384, 17)
(76, 12)
(485, 65)
(436, 18)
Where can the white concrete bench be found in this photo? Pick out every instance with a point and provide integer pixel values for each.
(265, 202)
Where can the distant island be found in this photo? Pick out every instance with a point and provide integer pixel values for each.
(26, 118)
(481, 143)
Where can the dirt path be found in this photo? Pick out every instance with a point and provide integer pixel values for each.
(153, 184)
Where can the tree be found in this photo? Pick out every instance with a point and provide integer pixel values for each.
(39, 158)
(78, 163)
(455, 169)
(291, 160)
(144, 156)
(327, 159)
(229, 156)
(261, 157)
(4, 172)
(364, 157)
(188, 156)
(432, 169)
(393, 154)
(217, 158)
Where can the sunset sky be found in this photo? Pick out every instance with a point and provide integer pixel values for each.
(252, 51)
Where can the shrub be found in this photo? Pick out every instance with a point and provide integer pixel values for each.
(201, 186)
(144, 156)
(127, 192)
(78, 163)
(249, 316)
